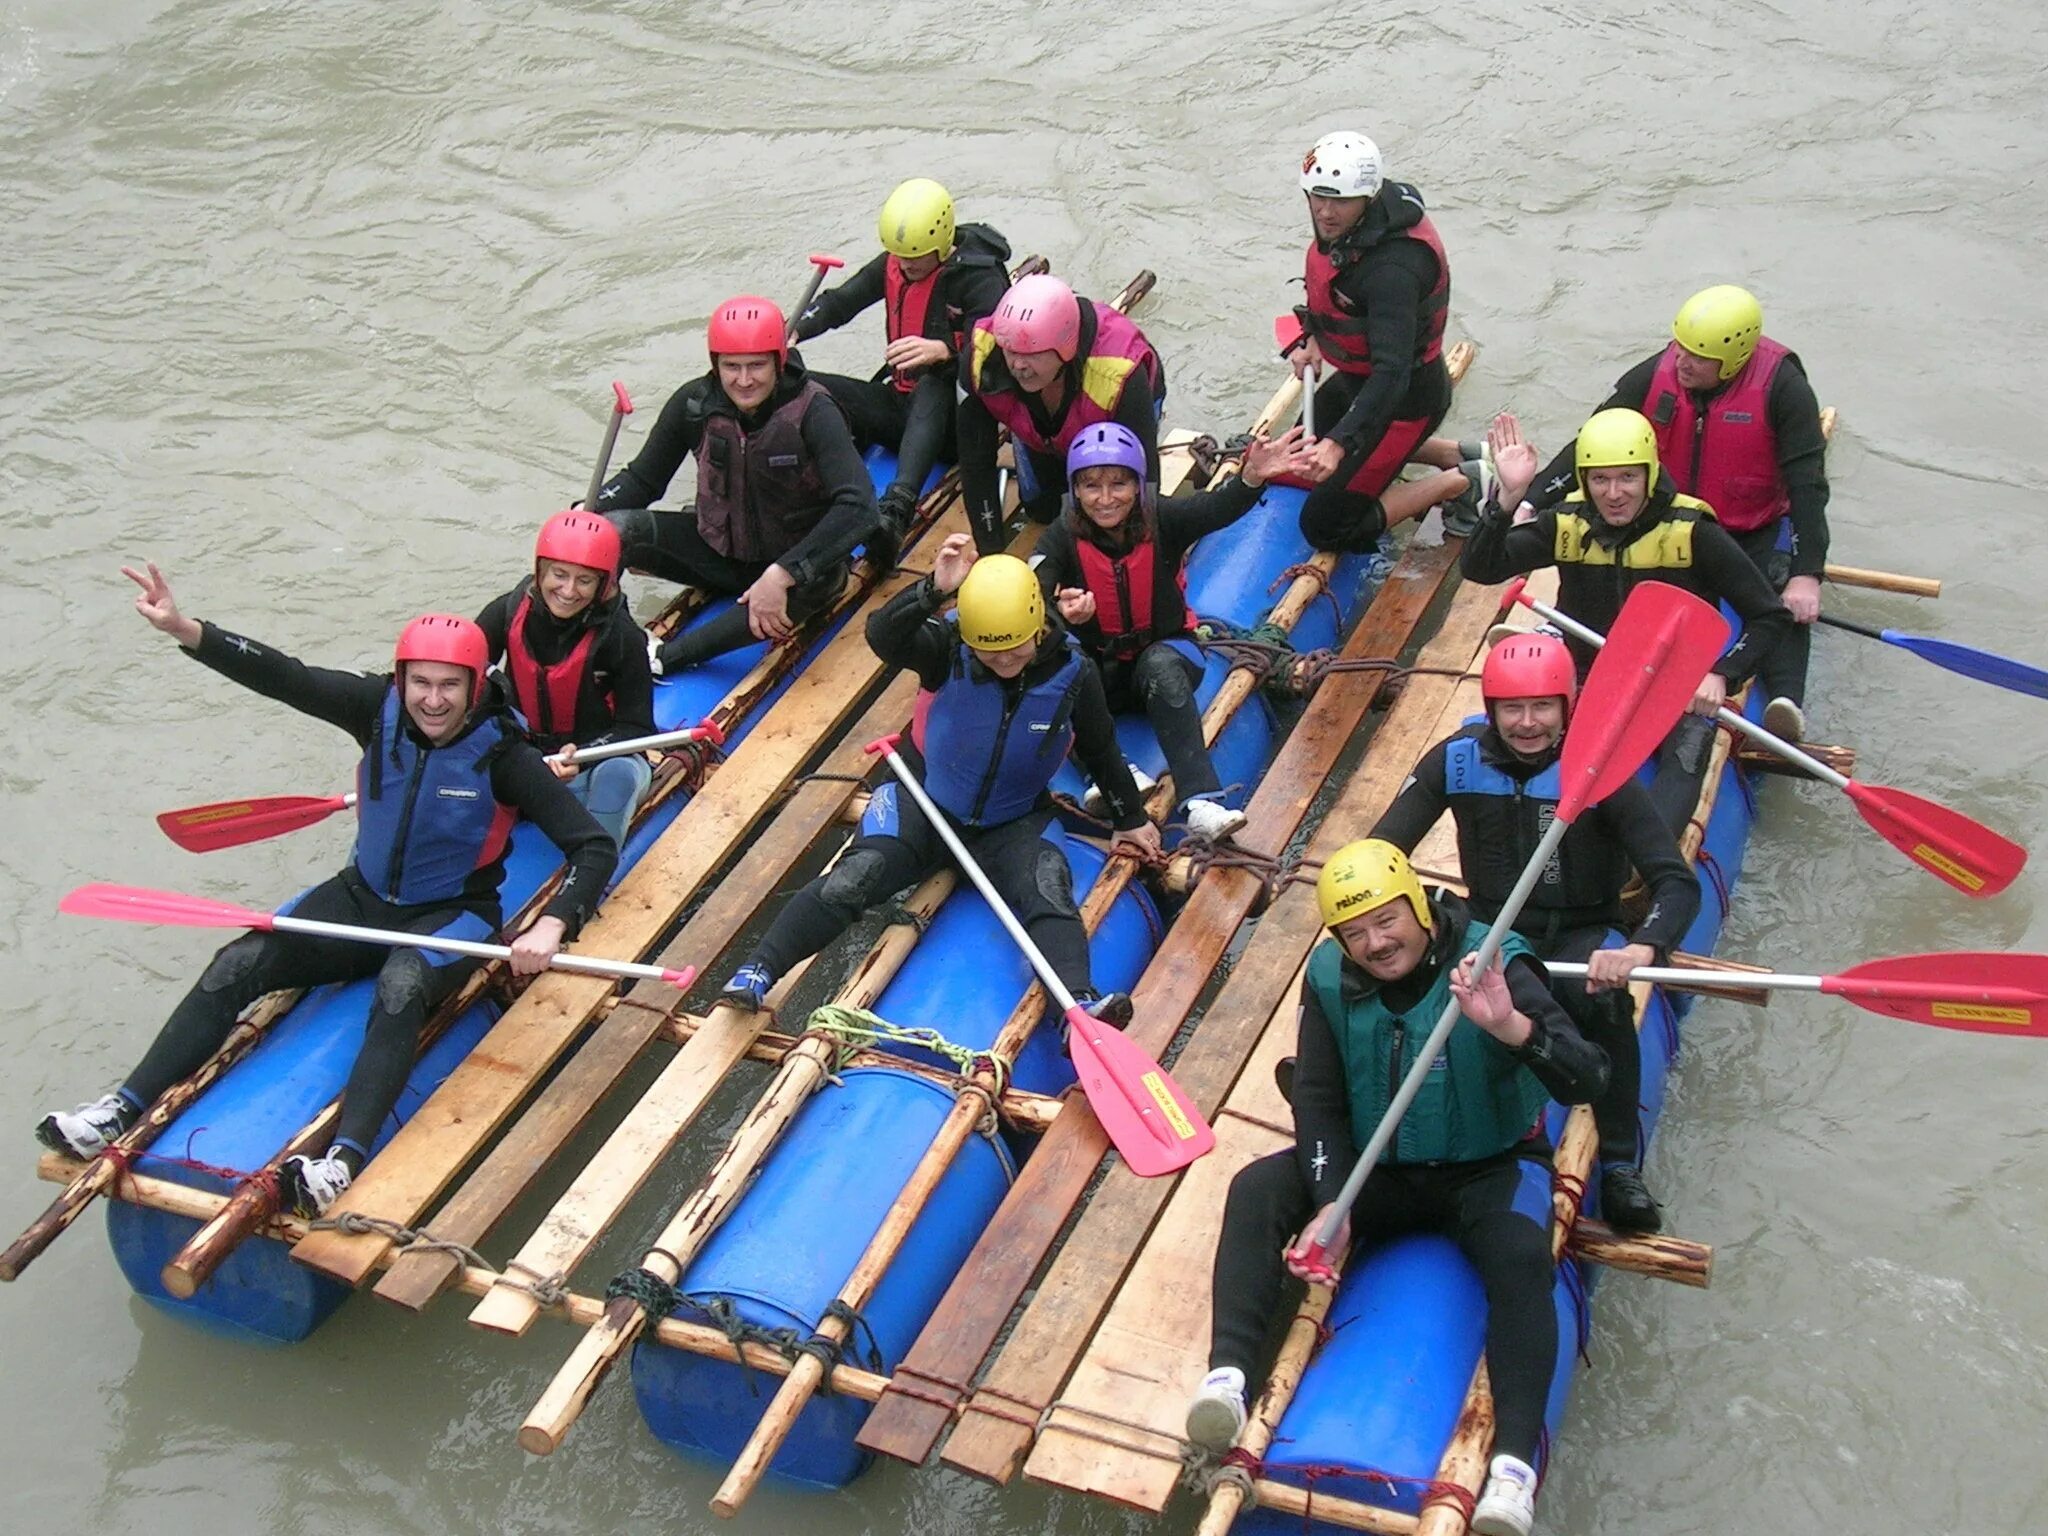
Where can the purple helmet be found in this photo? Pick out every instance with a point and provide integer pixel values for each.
(1106, 443)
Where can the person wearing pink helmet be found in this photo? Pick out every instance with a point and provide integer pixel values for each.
(577, 664)
(1499, 780)
(1048, 364)
(445, 771)
(783, 495)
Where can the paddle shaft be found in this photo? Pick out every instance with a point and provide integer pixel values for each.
(621, 404)
(1883, 581)
(391, 938)
(1309, 376)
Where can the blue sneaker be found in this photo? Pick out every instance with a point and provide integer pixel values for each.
(748, 989)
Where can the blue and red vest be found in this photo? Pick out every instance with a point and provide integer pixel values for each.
(1726, 455)
(990, 750)
(426, 818)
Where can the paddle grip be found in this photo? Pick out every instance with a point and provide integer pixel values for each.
(621, 401)
(883, 745)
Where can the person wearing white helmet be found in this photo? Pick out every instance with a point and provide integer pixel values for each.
(1379, 288)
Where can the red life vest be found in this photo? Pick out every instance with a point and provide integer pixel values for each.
(908, 304)
(1124, 595)
(547, 696)
(759, 493)
(1733, 467)
(1119, 357)
(1341, 334)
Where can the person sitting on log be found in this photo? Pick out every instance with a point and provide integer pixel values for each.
(1116, 566)
(577, 663)
(783, 495)
(1011, 692)
(1048, 365)
(1627, 523)
(1499, 780)
(1471, 1159)
(445, 772)
(934, 280)
(1738, 426)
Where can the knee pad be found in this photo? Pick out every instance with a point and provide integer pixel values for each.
(1054, 879)
(403, 982)
(233, 963)
(1162, 675)
(853, 885)
(615, 784)
(1691, 740)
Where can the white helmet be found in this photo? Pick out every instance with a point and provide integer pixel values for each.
(1342, 165)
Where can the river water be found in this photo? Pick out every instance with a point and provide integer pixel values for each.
(316, 305)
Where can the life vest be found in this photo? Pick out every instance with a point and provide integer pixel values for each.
(1128, 609)
(1476, 1100)
(758, 492)
(1117, 356)
(1665, 547)
(1727, 454)
(426, 819)
(1501, 818)
(1340, 333)
(547, 696)
(990, 749)
(907, 305)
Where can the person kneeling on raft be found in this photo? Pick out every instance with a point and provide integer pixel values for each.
(1471, 1158)
(577, 663)
(1500, 782)
(1048, 365)
(1011, 692)
(783, 495)
(445, 772)
(1627, 523)
(1116, 566)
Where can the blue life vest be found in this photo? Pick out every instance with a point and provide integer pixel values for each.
(990, 750)
(1500, 821)
(426, 819)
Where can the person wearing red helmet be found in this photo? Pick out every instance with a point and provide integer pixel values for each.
(783, 495)
(1499, 780)
(444, 773)
(577, 663)
(1048, 364)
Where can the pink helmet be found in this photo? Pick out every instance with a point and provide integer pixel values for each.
(1039, 314)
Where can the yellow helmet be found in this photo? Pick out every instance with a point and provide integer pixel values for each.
(1364, 876)
(917, 220)
(1001, 606)
(1722, 322)
(1617, 437)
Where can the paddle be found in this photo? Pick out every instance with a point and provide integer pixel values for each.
(1664, 642)
(820, 265)
(138, 904)
(1287, 336)
(232, 823)
(1153, 1124)
(1947, 844)
(1984, 666)
(1987, 992)
(622, 407)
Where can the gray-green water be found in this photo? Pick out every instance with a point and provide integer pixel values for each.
(316, 304)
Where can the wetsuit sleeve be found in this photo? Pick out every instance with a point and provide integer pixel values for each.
(976, 290)
(1725, 569)
(1389, 292)
(1135, 409)
(1631, 820)
(1794, 412)
(351, 700)
(1419, 806)
(632, 681)
(834, 307)
(976, 434)
(1184, 519)
(1559, 478)
(496, 623)
(1323, 1137)
(851, 519)
(1570, 1067)
(1095, 744)
(907, 632)
(520, 779)
(645, 481)
(1500, 550)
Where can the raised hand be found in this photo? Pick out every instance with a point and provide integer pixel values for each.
(1265, 458)
(953, 561)
(1514, 459)
(157, 605)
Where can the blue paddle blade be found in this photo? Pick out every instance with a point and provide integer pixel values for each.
(1999, 671)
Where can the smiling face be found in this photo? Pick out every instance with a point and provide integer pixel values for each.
(1334, 216)
(1032, 370)
(1618, 492)
(748, 378)
(1530, 727)
(1106, 493)
(567, 589)
(1387, 941)
(437, 698)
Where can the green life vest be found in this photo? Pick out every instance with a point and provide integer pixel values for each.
(1476, 1101)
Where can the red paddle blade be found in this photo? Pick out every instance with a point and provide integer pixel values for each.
(1947, 844)
(1664, 641)
(1154, 1126)
(1286, 332)
(1986, 993)
(231, 823)
(138, 904)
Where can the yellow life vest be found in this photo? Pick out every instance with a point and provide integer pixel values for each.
(1667, 547)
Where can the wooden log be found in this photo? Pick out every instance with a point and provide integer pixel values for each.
(1760, 759)
(1320, 1506)
(1656, 1255)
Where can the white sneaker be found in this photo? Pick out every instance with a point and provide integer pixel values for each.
(1095, 802)
(312, 1184)
(1216, 1416)
(654, 643)
(1211, 819)
(88, 1130)
(1507, 1506)
(1784, 719)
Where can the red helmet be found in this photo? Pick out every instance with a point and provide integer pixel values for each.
(748, 324)
(1039, 314)
(581, 538)
(447, 638)
(1530, 666)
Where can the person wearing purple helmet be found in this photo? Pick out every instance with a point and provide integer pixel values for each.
(1115, 565)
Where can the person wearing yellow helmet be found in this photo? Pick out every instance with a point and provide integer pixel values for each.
(1627, 523)
(1738, 426)
(1471, 1159)
(934, 279)
(1010, 694)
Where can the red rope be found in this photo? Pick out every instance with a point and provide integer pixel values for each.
(1434, 1490)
